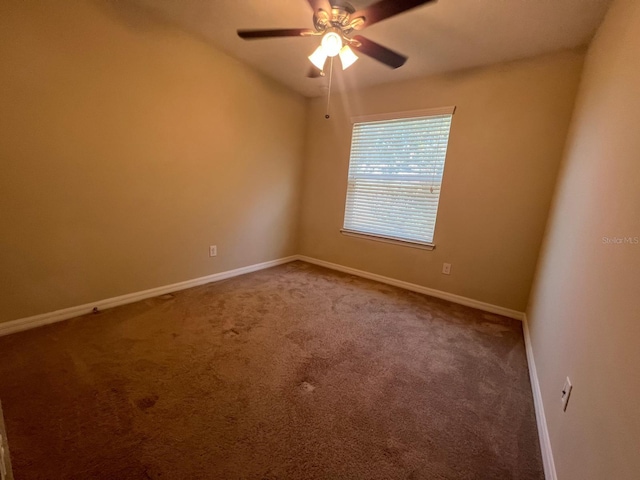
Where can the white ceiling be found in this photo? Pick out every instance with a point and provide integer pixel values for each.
(439, 37)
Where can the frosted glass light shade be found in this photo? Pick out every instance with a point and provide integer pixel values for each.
(318, 58)
(347, 57)
(331, 44)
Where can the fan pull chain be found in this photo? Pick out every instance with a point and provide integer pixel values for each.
(327, 116)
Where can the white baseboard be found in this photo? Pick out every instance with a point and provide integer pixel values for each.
(469, 302)
(21, 324)
(541, 419)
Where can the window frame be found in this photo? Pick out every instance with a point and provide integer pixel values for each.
(431, 112)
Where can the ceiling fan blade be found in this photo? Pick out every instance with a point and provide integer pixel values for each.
(320, 5)
(378, 52)
(386, 9)
(314, 73)
(282, 32)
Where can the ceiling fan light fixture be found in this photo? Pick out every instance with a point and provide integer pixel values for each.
(318, 58)
(334, 22)
(347, 57)
(331, 43)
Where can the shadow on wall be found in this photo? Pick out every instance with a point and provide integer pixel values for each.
(146, 17)
(133, 15)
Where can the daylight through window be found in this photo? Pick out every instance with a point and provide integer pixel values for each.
(395, 174)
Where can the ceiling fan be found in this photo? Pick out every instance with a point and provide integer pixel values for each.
(335, 21)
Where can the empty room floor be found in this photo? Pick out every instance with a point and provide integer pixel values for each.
(295, 372)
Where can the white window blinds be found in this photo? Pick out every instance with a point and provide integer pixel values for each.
(395, 173)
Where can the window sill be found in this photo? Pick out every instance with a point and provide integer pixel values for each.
(391, 240)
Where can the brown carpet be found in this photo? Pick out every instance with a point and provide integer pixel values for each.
(295, 372)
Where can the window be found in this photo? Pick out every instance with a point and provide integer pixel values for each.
(395, 173)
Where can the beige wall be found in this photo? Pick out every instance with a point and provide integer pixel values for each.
(128, 147)
(585, 308)
(505, 146)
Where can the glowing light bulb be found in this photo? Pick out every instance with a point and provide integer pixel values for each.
(331, 44)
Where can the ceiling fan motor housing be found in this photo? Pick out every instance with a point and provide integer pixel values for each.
(339, 17)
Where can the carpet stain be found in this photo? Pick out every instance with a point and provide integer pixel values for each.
(231, 333)
(307, 387)
(146, 403)
(300, 337)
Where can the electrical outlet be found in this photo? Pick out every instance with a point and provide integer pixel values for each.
(566, 393)
(213, 250)
(446, 268)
